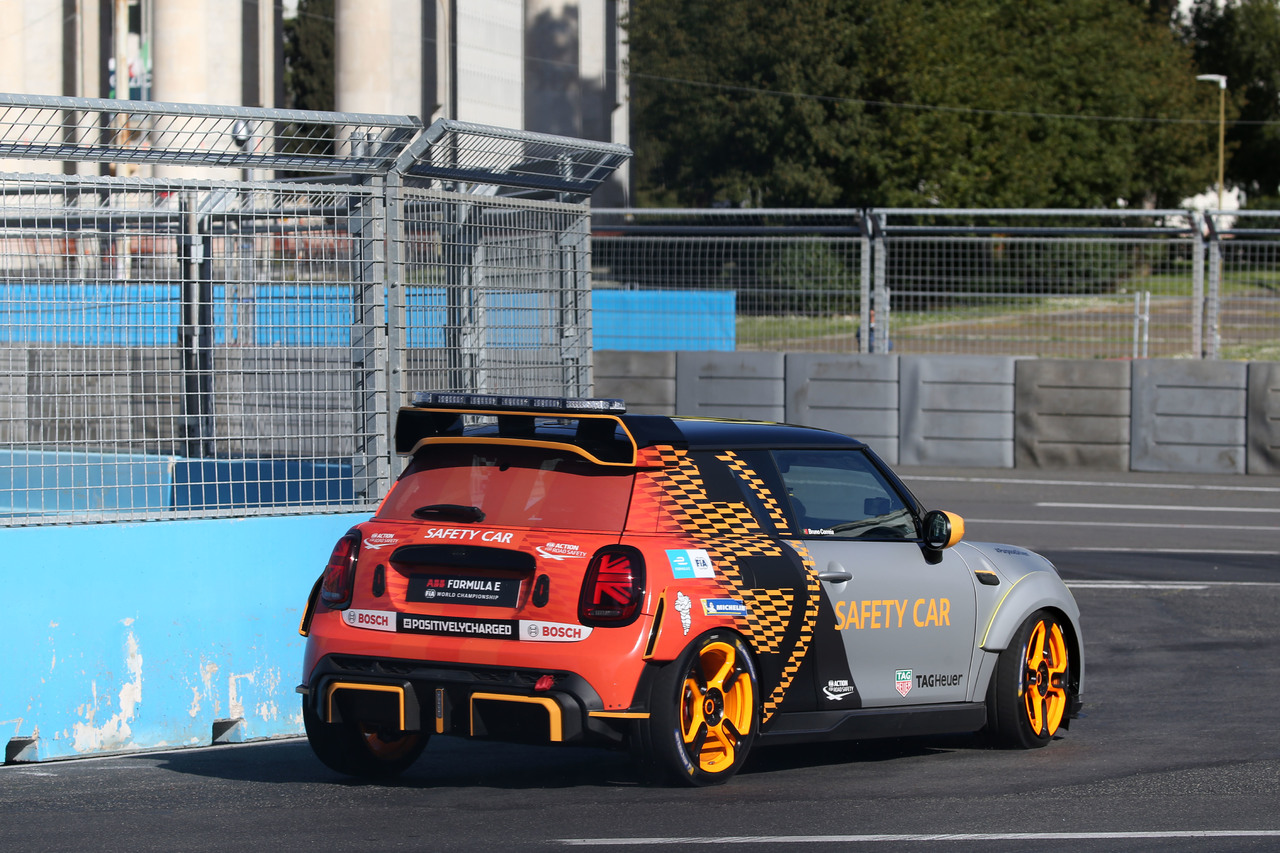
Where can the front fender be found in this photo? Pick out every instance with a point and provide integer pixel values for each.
(1029, 593)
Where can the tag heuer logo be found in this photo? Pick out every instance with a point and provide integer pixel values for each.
(903, 681)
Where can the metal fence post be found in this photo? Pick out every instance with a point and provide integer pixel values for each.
(881, 317)
(370, 460)
(864, 280)
(1197, 284)
(1212, 300)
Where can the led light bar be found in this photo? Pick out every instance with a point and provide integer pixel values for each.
(504, 403)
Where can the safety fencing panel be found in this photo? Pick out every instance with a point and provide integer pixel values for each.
(227, 323)
(776, 280)
(1243, 317)
(1043, 283)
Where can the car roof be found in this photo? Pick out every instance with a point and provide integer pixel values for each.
(699, 433)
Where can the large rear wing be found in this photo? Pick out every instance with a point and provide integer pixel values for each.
(591, 427)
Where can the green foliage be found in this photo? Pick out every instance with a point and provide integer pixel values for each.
(982, 103)
(309, 69)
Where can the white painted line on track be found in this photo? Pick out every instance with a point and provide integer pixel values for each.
(1160, 507)
(1224, 552)
(1191, 585)
(897, 838)
(1136, 524)
(1206, 487)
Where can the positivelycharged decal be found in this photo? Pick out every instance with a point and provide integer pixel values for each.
(903, 681)
(497, 629)
(690, 563)
(723, 607)
(455, 589)
(374, 620)
(553, 632)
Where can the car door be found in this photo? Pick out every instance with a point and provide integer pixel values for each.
(904, 625)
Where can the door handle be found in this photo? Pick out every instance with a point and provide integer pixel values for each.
(839, 576)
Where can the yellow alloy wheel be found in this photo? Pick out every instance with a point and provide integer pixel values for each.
(717, 706)
(1044, 679)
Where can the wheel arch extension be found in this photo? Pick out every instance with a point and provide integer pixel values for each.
(644, 685)
(1031, 593)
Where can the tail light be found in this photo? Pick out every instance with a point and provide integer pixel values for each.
(340, 574)
(613, 589)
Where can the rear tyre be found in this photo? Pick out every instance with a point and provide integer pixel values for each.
(359, 750)
(1029, 692)
(704, 711)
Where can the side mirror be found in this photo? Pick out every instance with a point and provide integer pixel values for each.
(942, 529)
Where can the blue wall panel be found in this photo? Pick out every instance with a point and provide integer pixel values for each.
(667, 320)
(138, 636)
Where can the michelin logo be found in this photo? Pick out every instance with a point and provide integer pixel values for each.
(684, 605)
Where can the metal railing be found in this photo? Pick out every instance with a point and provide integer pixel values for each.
(1047, 283)
(198, 347)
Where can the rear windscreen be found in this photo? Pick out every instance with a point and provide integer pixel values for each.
(514, 486)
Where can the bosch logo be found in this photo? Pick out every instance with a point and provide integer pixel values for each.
(567, 632)
(533, 631)
(377, 620)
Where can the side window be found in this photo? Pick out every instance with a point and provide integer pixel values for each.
(841, 494)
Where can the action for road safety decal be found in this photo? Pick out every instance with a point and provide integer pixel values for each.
(498, 629)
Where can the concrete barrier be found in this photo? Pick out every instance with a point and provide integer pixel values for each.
(747, 385)
(956, 410)
(646, 380)
(853, 394)
(1263, 430)
(1188, 416)
(1072, 414)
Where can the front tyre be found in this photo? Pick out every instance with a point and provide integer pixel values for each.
(704, 711)
(1029, 693)
(359, 750)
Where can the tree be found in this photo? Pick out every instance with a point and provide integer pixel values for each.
(1241, 40)
(919, 102)
(308, 56)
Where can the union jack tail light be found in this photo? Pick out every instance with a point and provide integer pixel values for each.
(613, 589)
(340, 574)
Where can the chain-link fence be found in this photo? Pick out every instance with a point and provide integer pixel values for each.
(1049, 283)
(203, 347)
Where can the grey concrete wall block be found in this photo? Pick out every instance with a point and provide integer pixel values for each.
(1263, 430)
(1189, 416)
(1072, 414)
(646, 380)
(749, 385)
(852, 394)
(956, 410)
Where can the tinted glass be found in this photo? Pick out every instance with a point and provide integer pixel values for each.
(841, 494)
(514, 486)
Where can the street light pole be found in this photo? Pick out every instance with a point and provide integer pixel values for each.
(1222, 123)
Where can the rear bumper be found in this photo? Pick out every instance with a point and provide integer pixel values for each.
(501, 703)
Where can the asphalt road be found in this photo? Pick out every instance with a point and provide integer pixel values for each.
(1178, 579)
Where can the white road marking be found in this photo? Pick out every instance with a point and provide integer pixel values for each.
(1207, 487)
(1139, 524)
(1225, 552)
(1191, 585)
(897, 838)
(1160, 507)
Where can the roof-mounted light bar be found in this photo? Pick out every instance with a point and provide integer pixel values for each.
(526, 405)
